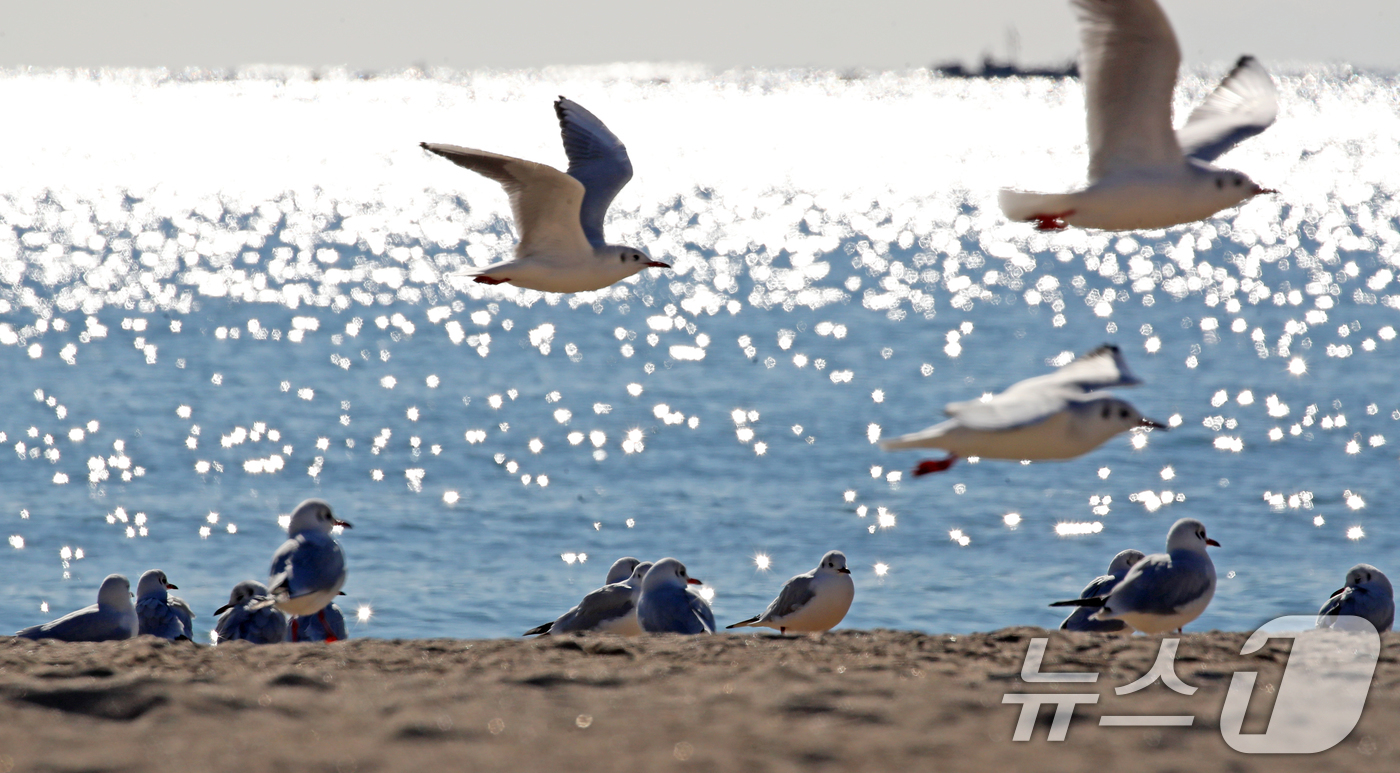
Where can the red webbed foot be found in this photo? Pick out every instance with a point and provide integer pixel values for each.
(934, 465)
(330, 637)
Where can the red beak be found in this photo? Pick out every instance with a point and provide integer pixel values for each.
(657, 264)
(1212, 542)
(342, 524)
(169, 586)
(1259, 191)
(693, 581)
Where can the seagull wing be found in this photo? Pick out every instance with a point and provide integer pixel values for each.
(304, 564)
(702, 611)
(1243, 105)
(1014, 408)
(603, 605)
(598, 159)
(794, 595)
(1101, 368)
(544, 201)
(1129, 61)
(1159, 585)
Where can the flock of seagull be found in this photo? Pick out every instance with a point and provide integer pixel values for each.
(1142, 175)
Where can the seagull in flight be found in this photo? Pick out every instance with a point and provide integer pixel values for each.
(560, 216)
(1059, 415)
(1142, 175)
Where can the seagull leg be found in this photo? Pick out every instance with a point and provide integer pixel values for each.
(1054, 221)
(490, 280)
(294, 629)
(934, 465)
(330, 637)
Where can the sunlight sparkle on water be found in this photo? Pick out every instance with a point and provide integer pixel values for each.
(762, 561)
(1356, 533)
(363, 613)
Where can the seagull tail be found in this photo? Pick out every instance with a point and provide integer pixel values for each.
(539, 629)
(1096, 601)
(744, 623)
(1025, 205)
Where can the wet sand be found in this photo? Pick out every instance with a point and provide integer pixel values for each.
(842, 701)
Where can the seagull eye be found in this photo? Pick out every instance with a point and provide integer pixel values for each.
(1219, 183)
(1123, 413)
(1106, 411)
(1238, 182)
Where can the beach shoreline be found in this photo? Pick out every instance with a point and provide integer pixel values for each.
(844, 700)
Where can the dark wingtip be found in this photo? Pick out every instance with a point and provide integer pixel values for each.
(1244, 60)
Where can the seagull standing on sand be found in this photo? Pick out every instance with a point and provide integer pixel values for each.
(328, 626)
(609, 609)
(1079, 619)
(560, 216)
(237, 621)
(1059, 415)
(665, 606)
(1141, 173)
(811, 602)
(1163, 591)
(309, 568)
(157, 612)
(112, 618)
(1367, 594)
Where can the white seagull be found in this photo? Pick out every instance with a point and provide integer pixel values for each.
(1079, 619)
(560, 216)
(157, 612)
(811, 602)
(236, 621)
(1059, 415)
(609, 609)
(1163, 591)
(112, 618)
(665, 606)
(1367, 594)
(309, 568)
(1141, 173)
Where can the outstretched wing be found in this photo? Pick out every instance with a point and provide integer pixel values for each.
(544, 201)
(598, 159)
(1243, 105)
(1101, 368)
(1129, 58)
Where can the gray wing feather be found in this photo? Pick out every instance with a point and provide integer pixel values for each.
(90, 623)
(1159, 584)
(1373, 606)
(702, 610)
(157, 618)
(598, 159)
(794, 595)
(1079, 619)
(669, 611)
(609, 602)
(1243, 105)
(310, 564)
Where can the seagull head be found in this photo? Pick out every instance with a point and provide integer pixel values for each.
(1124, 561)
(621, 569)
(1115, 415)
(115, 592)
(314, 515)
(241, 593)
(1228, 187)
(1365, 574)
(668, 572)
(1189, 534)
(153, 582)
(632, 259)
(834, 562)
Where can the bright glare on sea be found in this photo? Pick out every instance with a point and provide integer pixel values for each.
(221, 293)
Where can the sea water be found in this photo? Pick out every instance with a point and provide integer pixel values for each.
(224, 292)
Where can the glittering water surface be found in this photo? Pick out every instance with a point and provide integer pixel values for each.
(222, 293)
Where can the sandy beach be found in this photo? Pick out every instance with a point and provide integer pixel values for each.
(846, 700)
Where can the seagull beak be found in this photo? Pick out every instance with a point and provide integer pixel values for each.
(342, 524)
(1153, 423)
(693, 581)
(342, 593)
(844, 570)
(171, 586)
(223, 609)
(1212, 543)
(656, 264)
(1260, 190)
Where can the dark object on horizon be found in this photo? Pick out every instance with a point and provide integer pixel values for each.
(991, 68)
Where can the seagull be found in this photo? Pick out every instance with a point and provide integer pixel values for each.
(811, 602)
(1078, 620)
(112, 618)
(1141, 173)
(309, 568)
(622, 569)
(664, 606)
(1163, 591)
(328, 626)
(236, 621)
(157, 612)
(1059, 415)
(609, 609)
(1367, 594)
(560, 216)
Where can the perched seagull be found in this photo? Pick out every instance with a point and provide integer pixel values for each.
(236, 621)
(560, 216)
(665, 606)
(1059, 415)
(1078, 620)
(1367, 594)
(1141, 173)
(622, 569)
(1163, 591)
(112, 618)
(609, 609)
(811, 602)
(309, 568)
(157, 612)
(328, 625)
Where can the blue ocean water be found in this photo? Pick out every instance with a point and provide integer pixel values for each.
(224, 292)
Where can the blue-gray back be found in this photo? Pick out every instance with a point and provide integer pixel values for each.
(1164, 583)
(669, 610)
(307, 563)
(1361, 602)
(261, 626)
